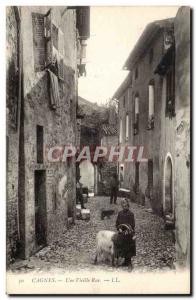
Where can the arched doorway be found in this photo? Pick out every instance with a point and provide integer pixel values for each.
(87, 175)
(168, 187)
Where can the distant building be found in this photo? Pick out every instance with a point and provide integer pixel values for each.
(98, 128)
(43, 64)
(107, 169)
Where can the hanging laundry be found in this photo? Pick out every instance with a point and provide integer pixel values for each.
(54, 90)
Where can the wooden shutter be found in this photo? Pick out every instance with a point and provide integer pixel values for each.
(83, 21)
(52, 43)
(39, 44)
(61, 69)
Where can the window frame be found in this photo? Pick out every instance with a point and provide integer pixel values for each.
(127, 127)
(136, 115)
(170, 90)
(150, 125)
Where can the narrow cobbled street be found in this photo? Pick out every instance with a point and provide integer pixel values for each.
(75, 250)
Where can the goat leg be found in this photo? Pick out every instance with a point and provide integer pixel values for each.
(95, 260)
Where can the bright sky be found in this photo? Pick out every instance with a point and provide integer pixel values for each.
(114, 33)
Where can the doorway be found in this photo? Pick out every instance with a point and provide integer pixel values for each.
(150, 175)
(137, 178)
(40, 208)
(168, 199)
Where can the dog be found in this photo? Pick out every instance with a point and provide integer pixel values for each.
(106, 213)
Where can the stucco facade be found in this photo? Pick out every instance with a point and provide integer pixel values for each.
(157, 140)
(163, 181)
(182, 135)
(13, 79)
(42, 211)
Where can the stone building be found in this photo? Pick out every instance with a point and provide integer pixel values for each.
(109, 139)
(143, 117)
(154, 112)
(98, 128)
(92, 117)
(44, 58)
(182, 134)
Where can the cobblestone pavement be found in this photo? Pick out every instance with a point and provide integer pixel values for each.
(76, 248)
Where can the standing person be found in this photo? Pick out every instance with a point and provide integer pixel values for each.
(114, 184)
(79, 196)
(127, 242)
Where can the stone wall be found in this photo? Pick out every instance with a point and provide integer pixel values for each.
(158, 141)
(182, 135)
(106, 169)
(12, 131)
(59, 127)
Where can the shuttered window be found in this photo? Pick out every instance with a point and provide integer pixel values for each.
(170, 96)
(120, 135)
(48, 45)
(127, 127)
(150, 106)
(61, 69)
(83, 21)
(39, 43)
(136, 116)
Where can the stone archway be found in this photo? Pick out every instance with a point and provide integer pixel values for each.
(168, 187)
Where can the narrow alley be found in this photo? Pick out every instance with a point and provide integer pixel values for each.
(75, 250)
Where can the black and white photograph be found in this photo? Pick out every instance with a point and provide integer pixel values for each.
(98, 150)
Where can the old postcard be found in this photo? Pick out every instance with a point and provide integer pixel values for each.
(98, 150)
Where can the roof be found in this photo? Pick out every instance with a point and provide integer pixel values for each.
(166, 61)
(123, 86)
(109, 130)
(145, 39)
(144, 42)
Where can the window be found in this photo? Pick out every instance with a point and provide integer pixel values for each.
(124, 100)
(120, 135)
(136, 73)
(128, 96)
(151, 55)
(150, 105)
(170, 91)
(39, 45)
(127, 127)
(40, 143)
(136, 115)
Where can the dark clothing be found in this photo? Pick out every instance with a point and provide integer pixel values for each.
(125, 245)
(125, 217)
(114, 189)
(114, 183)
(113, 196)
(79, 196)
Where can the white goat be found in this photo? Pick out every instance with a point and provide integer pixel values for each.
(105, 245)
